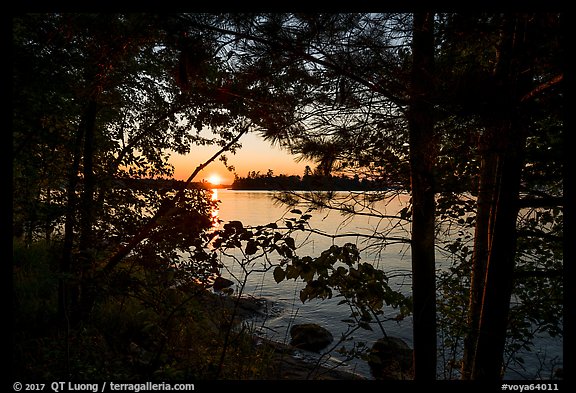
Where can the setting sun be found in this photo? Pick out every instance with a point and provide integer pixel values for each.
(215, 179)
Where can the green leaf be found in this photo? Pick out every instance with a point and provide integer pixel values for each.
(279, 274)
(307, 275)
(251, 247)
(364, 325)
(290, 243)
(303, 295)
(292, 272)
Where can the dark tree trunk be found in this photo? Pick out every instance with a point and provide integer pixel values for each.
(507, 157)
(69, 223)
(68, 293)
(422, 160)
(500, 265)
(86, 206)
(484, 205)
(85, 254)
(69, 296)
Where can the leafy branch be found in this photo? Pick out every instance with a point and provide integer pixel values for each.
(166, 209)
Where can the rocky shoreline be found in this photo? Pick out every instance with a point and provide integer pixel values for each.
(287, 362)
(289, 366)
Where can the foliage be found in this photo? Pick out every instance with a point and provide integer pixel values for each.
(364, 288)
(537, 306)
(35, 285)
(335, 272)
(145, 326)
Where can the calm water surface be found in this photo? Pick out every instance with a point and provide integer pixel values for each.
(255, 208)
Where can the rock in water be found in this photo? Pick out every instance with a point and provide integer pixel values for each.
(221, 283)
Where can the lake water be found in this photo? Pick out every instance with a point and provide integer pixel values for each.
(255, 208)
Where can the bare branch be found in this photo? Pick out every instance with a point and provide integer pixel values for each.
(540, 88)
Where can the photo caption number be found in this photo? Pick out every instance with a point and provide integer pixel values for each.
(34, 386)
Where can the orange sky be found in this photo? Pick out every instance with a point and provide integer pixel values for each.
(255, 155)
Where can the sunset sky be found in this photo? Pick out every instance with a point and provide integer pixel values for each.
(255, 155)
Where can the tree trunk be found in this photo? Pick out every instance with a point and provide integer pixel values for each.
(422, 160)
(85, 254)
(68, 296)
(70, 219)
(500, 267)
(509, 143)
(484, 205)
(87, 200)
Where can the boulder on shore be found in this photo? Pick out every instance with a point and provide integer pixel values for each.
(310, 337)
(391, 358)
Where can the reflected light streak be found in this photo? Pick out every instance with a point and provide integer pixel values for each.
(215, 211)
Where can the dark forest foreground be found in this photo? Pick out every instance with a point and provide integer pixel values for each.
(150, 333)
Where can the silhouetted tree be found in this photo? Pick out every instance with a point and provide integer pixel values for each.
(423, 190)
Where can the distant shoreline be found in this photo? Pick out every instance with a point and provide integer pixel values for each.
(324, 184)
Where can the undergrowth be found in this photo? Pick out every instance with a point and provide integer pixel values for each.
(139, 328)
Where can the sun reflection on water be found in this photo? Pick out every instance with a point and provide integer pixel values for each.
(215, 211)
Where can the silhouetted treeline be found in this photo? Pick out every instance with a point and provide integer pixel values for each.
(256, 181)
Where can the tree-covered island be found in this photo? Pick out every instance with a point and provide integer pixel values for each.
(309, 182)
